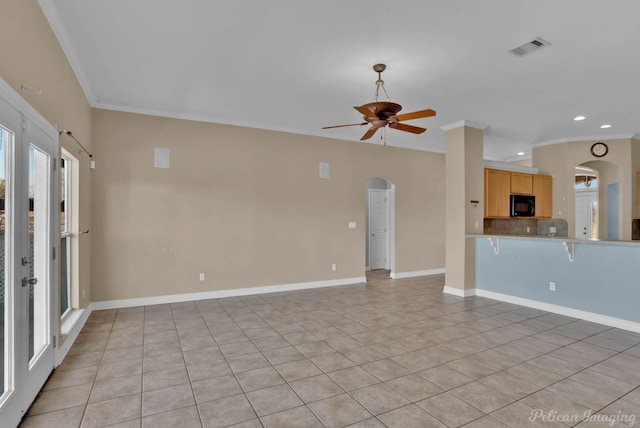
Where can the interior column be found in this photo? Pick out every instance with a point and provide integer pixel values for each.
(464, 175)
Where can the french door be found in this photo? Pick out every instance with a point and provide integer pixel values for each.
(28, 187)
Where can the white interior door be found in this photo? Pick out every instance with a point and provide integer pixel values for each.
(28, 227)
(585, 205)
(378, 229)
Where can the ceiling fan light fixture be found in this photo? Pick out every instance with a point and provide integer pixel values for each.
(383, 114)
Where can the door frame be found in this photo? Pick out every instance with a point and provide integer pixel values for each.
(391, 218)
(28, 383)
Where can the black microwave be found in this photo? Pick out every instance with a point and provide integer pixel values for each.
(523, 206)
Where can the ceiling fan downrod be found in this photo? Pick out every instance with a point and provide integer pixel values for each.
(379, 68)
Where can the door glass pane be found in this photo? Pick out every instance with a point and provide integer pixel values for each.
(65, 241)
(64, 275)
(4, 244)
(38, 250)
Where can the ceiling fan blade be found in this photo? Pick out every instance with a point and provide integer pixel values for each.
(365, 111)
(342, 126)
(407, 128)
(369, 133)
(416, 115)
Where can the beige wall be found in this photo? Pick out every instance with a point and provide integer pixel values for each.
(464, 182)
(635, 168)
(31, 56)
(560, 160)
(246, 207)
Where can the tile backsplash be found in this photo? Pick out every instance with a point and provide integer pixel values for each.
(526, 226)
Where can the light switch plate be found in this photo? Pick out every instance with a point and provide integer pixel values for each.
(352, 225)
(161, 158)
(324, 169)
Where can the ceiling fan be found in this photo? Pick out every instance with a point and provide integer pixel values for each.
(380, 114)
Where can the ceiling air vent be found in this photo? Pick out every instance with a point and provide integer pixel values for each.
(527, 48)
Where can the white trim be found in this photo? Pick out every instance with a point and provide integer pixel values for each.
(509, 166)
(61, 352)
(69, 49)
(632, 136)
(461, 123)
(387, 225)
(519, 158)
(391, 218)
(15, 100)
(216, 120)
(459, 292)
(218, 294)
(401, 275)
(562, 310)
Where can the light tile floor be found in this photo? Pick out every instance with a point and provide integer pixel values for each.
(394, 353)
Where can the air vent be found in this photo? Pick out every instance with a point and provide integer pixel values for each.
(527, 48)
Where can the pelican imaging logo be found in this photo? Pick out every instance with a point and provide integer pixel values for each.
(573, 418)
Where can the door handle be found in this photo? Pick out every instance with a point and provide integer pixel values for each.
(29, 281)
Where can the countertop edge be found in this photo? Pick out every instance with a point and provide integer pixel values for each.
(557, 239)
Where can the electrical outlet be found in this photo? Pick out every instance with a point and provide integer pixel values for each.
(552, 286)
(528, 229)
(202, 277)
(552, 229)
(334, 267)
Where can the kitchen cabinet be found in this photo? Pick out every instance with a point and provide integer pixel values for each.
(521, 183)
(497, 188)
(541, 186)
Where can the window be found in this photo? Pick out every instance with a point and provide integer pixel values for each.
(65, 235)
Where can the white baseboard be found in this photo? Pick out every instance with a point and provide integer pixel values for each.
(459, 292)
(176, 298)
(562, 310)
(401, 275)
(62, 351)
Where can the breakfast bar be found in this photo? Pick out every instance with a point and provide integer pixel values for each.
(589, 279)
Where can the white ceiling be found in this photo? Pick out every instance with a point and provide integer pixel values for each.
(297, 66)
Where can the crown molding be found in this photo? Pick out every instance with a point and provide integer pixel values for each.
(461, 123)
(630, 136)
(509, 166)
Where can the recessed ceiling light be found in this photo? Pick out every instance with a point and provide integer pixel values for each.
(520, 153)
(605, 126)
(579, 118)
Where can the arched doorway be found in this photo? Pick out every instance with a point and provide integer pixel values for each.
(380, 226)
(604, 215)
(587, 208)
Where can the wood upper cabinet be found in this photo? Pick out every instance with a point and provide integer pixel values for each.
(497, 188)
(499, 185)
(542, 190)
(521, 183)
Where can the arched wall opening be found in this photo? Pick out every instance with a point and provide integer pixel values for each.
(608, 208)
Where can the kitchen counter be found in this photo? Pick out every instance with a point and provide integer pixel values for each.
(557, 238)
